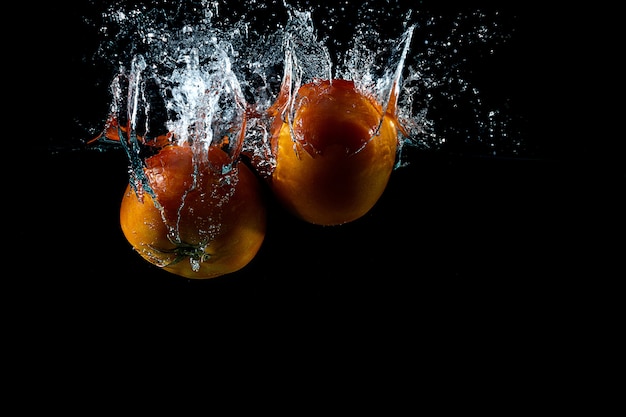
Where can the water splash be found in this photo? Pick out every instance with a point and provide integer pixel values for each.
(417, 59)
(175, 82)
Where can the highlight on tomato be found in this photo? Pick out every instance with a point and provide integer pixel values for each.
(335, 148)
(191, 218)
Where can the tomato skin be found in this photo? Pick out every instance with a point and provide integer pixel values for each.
(220, 226)
(336, 167)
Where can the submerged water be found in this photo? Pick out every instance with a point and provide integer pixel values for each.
(197, 68)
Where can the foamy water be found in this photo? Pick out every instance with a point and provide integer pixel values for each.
(198, 68)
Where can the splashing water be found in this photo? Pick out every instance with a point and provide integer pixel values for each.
(203, 71)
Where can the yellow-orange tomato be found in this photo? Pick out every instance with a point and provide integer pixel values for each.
(335, 164)
(201, 223)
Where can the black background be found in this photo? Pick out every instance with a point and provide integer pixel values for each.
(459, 241)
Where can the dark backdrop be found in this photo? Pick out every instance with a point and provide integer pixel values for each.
(458, 236)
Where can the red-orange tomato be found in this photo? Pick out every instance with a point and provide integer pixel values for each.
(113, 129)
(203, 230)
(338, 161)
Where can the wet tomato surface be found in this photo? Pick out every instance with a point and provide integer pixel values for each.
(196, 221)
(335, 157)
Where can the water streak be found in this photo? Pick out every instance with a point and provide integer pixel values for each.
(202, 69)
